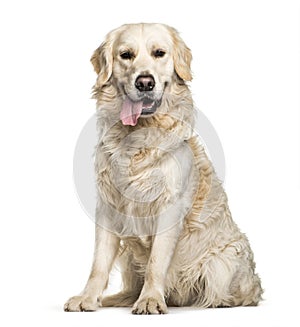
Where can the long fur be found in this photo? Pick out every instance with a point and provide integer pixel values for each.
(212, 263)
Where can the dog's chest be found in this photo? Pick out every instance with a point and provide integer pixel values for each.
(137, 173)
(144, 174)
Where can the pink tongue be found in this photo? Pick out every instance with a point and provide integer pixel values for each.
(131, 111)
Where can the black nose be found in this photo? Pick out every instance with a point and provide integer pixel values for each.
(145, 83)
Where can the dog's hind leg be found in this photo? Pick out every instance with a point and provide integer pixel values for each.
(122, 299)
(132, 284)
(228, 279)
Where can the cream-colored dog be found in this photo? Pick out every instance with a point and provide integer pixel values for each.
(162, 212)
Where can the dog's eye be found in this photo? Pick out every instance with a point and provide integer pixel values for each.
(126, 55)
(159, 53)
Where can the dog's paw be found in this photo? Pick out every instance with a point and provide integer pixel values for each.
(81, 303)
(150, 305)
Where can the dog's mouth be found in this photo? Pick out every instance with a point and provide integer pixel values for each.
(131, 110)
(149, 106)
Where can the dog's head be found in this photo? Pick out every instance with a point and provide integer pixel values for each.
(141, 60)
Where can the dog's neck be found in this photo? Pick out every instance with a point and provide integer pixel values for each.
(175, 116)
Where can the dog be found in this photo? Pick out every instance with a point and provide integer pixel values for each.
(162, 213)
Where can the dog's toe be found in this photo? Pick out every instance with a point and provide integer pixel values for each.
(80, 303)
(150, 305)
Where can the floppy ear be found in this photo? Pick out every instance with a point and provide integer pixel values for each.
(182, 57)
(102, 60)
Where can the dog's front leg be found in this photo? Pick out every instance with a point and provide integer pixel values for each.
(151, 299)
(106, 249)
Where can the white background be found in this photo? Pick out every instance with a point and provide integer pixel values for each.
(246, 81)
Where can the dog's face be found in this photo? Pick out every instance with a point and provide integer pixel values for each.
(141, 60)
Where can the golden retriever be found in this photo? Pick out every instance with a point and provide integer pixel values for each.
(162, 212)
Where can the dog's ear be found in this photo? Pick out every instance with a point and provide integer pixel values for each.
(102, 60)
(182, 57)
